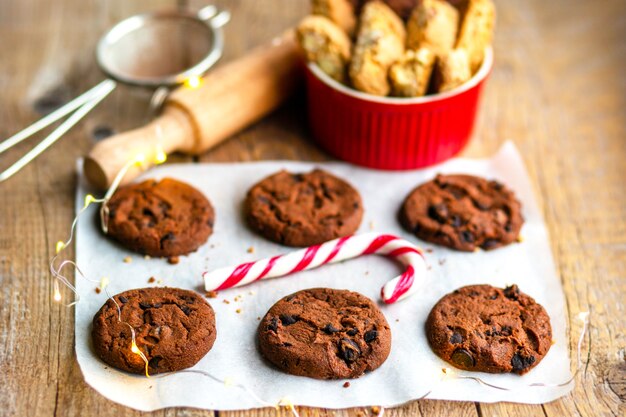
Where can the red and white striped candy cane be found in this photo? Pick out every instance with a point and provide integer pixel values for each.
(330, 252)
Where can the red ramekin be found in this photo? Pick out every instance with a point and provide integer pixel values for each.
(389, 132)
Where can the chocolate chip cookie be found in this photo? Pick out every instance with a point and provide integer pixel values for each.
(488, 329)
(174, 329)
(160, 218)
(325, 334)
(303, 209)
(463, 212)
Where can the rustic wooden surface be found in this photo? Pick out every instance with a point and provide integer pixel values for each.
(558, 90)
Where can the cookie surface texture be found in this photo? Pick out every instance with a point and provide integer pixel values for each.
(325, 334)
(303, 209)
(160, 218)
(174, 329)
(463, 212)
(488, 329)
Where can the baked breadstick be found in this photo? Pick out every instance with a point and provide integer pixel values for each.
(433, 24)
(325, 44)
(453, 69)
(339, 11)
(410, 75)
(477, 30)
(380, 42)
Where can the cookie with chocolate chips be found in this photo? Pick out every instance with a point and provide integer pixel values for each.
(160, 218)
(487, 329)
(463, 212)
(174, 329)
(303, 209)
(324, 333)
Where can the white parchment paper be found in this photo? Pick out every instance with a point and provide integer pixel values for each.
(411, 369)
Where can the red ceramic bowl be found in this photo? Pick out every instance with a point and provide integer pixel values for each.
(389, 132)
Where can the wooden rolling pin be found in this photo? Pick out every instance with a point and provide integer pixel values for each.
(193, 120)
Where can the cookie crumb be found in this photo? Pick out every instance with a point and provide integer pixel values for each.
(211, 294)
(442, 261)
(397, 320)
(251, 249)
(367, 272)
(238, 311)
(250, 292)
(372, 225)
(151, 280)
(520, 239)
(98, 290)
(127, 260)
(173, 260)
(146, 257)
(375, 409)
(258, 318)
(429, 250)
(159, 282)
(225, 301)
(346, 384)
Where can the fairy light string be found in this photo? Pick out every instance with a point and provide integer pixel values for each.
(57, 270)
(160, 157)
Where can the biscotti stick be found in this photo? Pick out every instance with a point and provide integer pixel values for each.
(453, 69)
(325, 44)
(410, 75)
(380, 42)
(339, 11)
(433, 24)
(477, 30)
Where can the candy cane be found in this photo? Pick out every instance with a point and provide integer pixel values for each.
(330, 252)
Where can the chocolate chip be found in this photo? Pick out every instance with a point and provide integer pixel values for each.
(496, 185)
(349, 350)
(456, 338)
(506, 330)
(467, 236)
(489, 244)
(356, 205)
(123, 299)
(520, 362)
(463, 358)
(330, 329)
(456, 221)
(511, 292)
(370, 335)
(438, 212)
(352, 332)
(298, 177)
(157, 305)
(494, 296)
(482, 206)
(144, 305)
(166, 237)
(185, 309)
(508, 227)
(287, 320)
(154, 362)
(273, 326)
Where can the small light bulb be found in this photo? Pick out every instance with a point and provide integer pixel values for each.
(193, 82)
(57, 292)
(60, 246)
(140, 159)
(160, 156)
(134, 348)
(583, 315)
(89, 199)
(104, 282)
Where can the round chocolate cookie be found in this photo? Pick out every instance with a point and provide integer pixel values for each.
(325, 334)
(463, 212)
(174, 329)
(487, 329)
(160, 218)
(303, 209)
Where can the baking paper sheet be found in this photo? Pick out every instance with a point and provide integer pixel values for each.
(411, 370)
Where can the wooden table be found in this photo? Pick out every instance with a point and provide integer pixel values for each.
(558, 90)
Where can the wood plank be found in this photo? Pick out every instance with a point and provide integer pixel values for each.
(557, 90)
